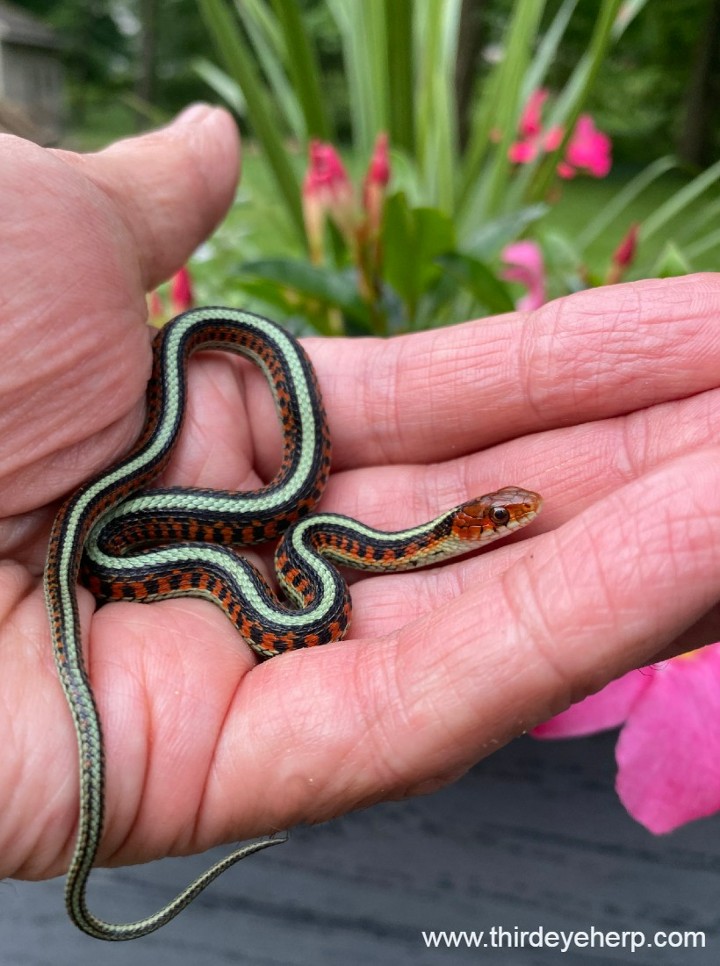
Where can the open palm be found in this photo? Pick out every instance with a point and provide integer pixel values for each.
(605, 402)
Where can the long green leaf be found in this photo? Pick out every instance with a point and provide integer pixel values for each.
(401, 112)
(482, 192)
(365, 52)
(436, 118)
(695, 225)
(240, 63)
(703, 244)
(331, 288)
(671, 262)
(414, 238)
(221, 83)
(622, 200)
(478, 279)
(488, 237)
(548, 48)
(303, 69)
(267, 44)
(679, 201)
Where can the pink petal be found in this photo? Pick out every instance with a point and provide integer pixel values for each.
(524, 264)
(531, 120)
(608, 708)
(565, 170)
(181, 293)
(376, 179)
(668, 753)
(525, 255)
(326, 173)
(589, 148)
(522, 152)
(553, 138)
(624, 254)
(327, 190)
(379, 168)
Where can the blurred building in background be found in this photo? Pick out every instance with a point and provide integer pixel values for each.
(31, 78)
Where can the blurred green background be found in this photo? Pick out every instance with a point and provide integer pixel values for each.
(647, 73)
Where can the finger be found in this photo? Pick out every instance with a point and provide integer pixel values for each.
(573, 468)
(230, 428)
(172, 186)
(439, 394)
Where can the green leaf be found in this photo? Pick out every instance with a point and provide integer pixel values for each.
(221, 83)
(366, 58)
(671, 262)
(622, 200)
(240, 63)
(482, 187)
(436, 138)
(266, 41)
(704, 243)
(547, 49)
(478, 279)
(679, 202)
(399, 31)
(331, 288)
(488, 238)
(413, 238)
(303, 68)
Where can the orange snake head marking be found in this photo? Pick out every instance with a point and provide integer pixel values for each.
(495, 514)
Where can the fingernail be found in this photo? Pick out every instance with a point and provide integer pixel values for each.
(193, 113)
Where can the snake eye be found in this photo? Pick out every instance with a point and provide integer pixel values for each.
(499, 515)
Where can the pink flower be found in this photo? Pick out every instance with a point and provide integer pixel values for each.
(531, 119)
(181, 294)
(668, 753)
(624, 254)
(524, 263)
(376, 179)
(523, 152)
(553, 138)
(532, 138)
(327, 192)
(588, 149)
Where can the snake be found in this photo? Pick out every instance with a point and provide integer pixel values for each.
(128, 541)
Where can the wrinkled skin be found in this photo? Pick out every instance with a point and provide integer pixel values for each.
(605, 402)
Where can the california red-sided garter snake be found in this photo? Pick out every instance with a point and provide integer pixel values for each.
(149, 545)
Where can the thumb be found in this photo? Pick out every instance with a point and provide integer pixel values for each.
(171, 186)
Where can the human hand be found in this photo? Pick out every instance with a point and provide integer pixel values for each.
(604, 402)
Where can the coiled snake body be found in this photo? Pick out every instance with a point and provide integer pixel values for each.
(153, 544)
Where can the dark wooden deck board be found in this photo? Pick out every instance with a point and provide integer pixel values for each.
(532, 837)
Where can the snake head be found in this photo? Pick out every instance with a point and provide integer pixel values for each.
(495, 515)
